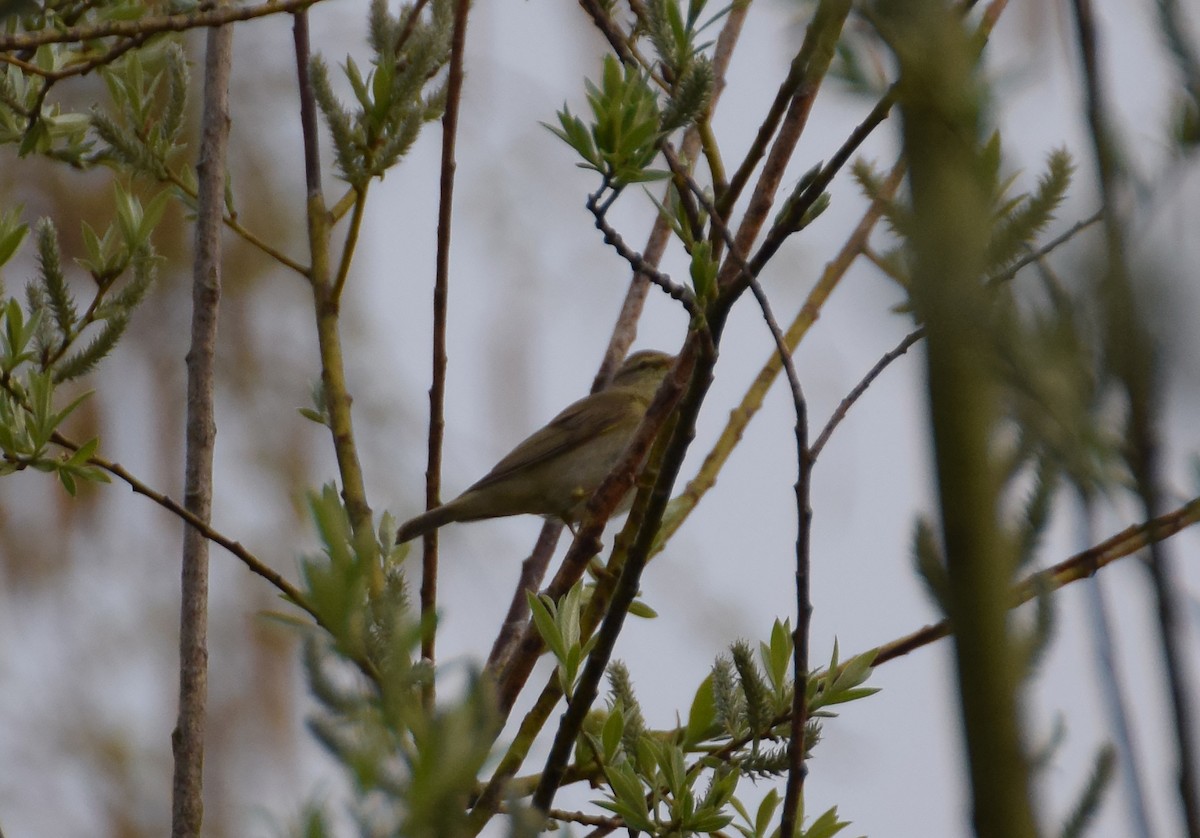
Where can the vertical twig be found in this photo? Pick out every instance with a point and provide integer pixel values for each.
(327, 303)
(797, 770)
(187, 809)
(1110, 684)
(1131, 347)
(805, 456)
(441, 287)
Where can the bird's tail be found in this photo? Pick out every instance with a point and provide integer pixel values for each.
(425, 522)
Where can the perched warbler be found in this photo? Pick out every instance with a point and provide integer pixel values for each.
(556, 470)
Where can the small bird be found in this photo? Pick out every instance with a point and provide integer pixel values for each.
(556, 470)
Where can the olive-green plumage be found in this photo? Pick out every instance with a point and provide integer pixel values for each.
(556, 470)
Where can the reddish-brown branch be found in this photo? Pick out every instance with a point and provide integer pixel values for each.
(441, 288)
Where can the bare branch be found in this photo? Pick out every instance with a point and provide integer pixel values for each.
(640, 266)
(187, 808)
(150, 25)
(441, 288)
(861, 387)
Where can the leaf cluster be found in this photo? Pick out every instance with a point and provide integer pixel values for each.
(413, 766)
(650, 786)
(49, 341)
(622, 139)
(686, 71)
(401, 92)
(826, 825)
(32, 124)
(1017, 220)
(144, 130)
(559, 625)
(123, 252)
(741, 705)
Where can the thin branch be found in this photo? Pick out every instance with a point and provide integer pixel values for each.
(325, 303)
(785, 120)
(1133, 352)
(1082, 565)
(584, 819)
(1036, 255)
(501, 784)
(308, 107)
(187, 807)
(351, 243)
(861, 387)
(1175, 32)
(1108, 675)
(251, 238)
(758, 147)
(616, 39)
(801, 88)
(1079, 566)
(912, 337)
(80, 68)
(797, 770)
(252, 562)
(805, 194)
(441, 288)
(149, 25)
(612, 238)
(410, 25)
(752, 401)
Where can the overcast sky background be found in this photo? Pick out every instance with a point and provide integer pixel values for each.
(534, 293)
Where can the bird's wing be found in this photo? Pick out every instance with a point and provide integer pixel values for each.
(589, 418)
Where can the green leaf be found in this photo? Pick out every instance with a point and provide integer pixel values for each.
(855, 671)
(703, 270)
(57, 419)
(12, 234)
(826, 826)
(638, 608)
(153, 215)
(610, 734)
(708, 821)
(68, 482)
(766, 811)
(778, 656)
(629, 799)
(674, 771)
(541, 609)
(85, 452)
(313, 415)
(702, 716)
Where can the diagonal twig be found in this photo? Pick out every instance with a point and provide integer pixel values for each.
(149, 25)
